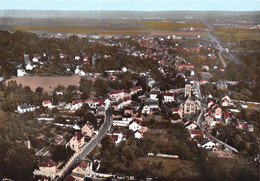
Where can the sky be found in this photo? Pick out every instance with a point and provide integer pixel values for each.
(132, 5)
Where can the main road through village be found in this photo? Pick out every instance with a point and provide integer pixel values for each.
(105, 127)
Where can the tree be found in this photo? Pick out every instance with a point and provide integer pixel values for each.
(91, 118)
(61, 153)
(19, 163)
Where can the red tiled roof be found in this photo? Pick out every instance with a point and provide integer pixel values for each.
(137, 88)
(83, 165)
(49, 163)
(127, 115)
(176, 109)
(136, 121)
(186, 65)
(114, 137)
(79, 136)
(138, 131)
(47, 102)
(77, 101)
(126, 99)
(167, 94)
(197, 132)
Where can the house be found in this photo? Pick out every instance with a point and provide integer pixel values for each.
(47, 169)
(76, 104)
(146, 109)
(205, 67)
(189, 125)
(227, 116)
(87, 129)
(29, 67)
(47, 104)
(63, 55)
(208, 144)
(21, 72)
(138, 134)
(117, 95)
(135, 125)
(194, 133)
(82, 170)
(135, 90)
(117, 136)
(178, 110)
(191, 106)
(77, 57)
(25, 108)
(209, 118)
(168, 97)
(217, 111)
(79, 72)
(127, 117)
(153, 95)
(185, 66)
(222, 84)
(225, 101)
(77, 141)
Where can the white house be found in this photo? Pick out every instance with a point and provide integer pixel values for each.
(138, 134)
(146, 109)
(77, 141)
(135, 125)
(208, 144)
(168, 97)
(36, 60)
(25, 108)
(47, 104)
(29, 67)
(21, 72)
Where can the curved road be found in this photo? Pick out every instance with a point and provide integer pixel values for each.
(105, 127)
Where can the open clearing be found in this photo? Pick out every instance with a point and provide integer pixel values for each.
(48, 83)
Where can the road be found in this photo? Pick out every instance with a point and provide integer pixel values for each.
(233, 57)
(105, 127)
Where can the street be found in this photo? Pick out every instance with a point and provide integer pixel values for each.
(104, 128)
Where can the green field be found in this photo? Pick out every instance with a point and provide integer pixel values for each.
(80, 29)
(169, 26)
(237, 34)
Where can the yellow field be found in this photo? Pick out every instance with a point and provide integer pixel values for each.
(169, 26)
(123, 33)
(237, 34)
(78, 29)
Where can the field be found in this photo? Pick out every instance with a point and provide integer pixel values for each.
(178, 33)
(237, 34)
(169, 26)
(82, 29)
(48, 83)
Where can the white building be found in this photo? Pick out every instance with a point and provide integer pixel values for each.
(47, 169)
(21, 72)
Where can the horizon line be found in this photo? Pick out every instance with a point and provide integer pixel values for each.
(132, 10)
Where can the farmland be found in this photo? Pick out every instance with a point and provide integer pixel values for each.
(81, 29)
(47, 83)
(169, 26)
(237, 34)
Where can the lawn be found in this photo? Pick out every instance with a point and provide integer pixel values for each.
(169, 26)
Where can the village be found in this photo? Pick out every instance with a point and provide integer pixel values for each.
(140, 109)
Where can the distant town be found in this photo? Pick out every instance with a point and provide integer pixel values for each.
(132, 100)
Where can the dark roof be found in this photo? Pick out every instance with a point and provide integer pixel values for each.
(79, 135)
